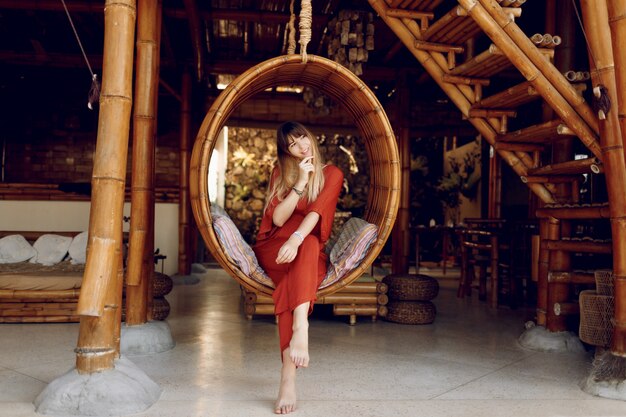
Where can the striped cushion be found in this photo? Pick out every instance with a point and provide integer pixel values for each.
(238, 251)
(352, 244)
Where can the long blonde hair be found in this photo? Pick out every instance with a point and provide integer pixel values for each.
(288, 164)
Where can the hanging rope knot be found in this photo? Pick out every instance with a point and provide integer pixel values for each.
(291, 49)
(94, 92)
(601, 101)
(306, 18)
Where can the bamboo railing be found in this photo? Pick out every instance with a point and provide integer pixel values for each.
(101, 292)
(141, 245)
(596, 20)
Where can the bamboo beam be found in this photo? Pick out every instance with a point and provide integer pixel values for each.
(184, 206)
(97, 343)
(541, 133)
(456, 95)
(519, 147)
(584, 246)
(141, 247)
(553, 179)
(596, 21)
(571, 277)
(547, 70)
(566, 309)
(511, 97)
(579, 166)
(599, 211)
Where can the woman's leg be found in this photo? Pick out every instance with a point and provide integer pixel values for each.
(299, 343)
(286, 402)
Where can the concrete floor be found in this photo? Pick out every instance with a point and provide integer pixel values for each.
(468, 363)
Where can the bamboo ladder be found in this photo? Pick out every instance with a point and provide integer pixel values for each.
(436, 45)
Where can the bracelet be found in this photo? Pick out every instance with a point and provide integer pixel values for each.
(299, 192)
(299, 235)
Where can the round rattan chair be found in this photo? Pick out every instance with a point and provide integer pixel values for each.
(344, 88)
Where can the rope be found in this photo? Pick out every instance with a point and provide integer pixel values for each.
(306, 18)
(94, 91)
(291, 49)
(582, 27)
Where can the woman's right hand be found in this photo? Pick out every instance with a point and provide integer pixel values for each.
(305, 168)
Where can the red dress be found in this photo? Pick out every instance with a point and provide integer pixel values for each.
(297, 282)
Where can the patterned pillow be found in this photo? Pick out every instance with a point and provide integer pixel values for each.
(238, 251)
(352, 244)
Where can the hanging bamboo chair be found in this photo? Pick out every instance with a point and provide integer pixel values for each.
(343, 87)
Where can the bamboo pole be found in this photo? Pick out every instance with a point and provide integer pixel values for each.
(596, 21)
(555, 78)
(184, 206)
(142, 178)
(96, 348)
(548, 229)
(571, 277)
(540, 133)
(617, 23)
(455, 94)
(195, 30)
(400, 232)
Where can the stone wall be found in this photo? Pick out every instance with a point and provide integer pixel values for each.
(251, 156)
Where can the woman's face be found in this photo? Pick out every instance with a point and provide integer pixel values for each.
(300, 147)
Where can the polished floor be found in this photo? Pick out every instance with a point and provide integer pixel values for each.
(468, 363)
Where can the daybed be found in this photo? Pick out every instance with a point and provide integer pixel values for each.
(32, 292)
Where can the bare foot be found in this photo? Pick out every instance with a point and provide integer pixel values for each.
(299, 346)
(286, 401)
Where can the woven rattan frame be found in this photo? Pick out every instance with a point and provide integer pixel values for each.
(368, 115)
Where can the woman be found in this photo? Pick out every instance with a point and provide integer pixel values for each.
(296, 224)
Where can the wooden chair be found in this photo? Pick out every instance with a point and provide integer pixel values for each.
(482, 243)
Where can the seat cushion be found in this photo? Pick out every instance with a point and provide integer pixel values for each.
(351, 246)
(15, 248)
(238, 251)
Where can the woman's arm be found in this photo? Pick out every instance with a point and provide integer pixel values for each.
(289, 250)
(285, 208)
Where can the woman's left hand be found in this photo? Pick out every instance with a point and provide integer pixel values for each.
(287, 253)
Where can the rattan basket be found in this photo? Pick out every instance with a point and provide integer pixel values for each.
(604, 282)
(596, 315)
(161, 285)
(410, 287)
(160, 308)
(411, 312)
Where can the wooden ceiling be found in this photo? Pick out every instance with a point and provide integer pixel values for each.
(208, 37)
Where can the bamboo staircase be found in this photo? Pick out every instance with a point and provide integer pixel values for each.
(437, 40)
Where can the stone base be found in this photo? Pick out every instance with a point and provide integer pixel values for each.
(145, 339)
(124, 390)
(607, 378)
(540, 339)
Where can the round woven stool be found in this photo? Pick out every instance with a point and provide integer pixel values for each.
(411, 287)
(160, 308)
(161, 285)
(411, 312)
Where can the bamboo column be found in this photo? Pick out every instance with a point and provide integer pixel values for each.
(495, 187)
(184, 206)
(400, 233)
(617, 22)
(562, 151)
(596, 21)
(140, 265)
(458, 97)
(101, 290)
